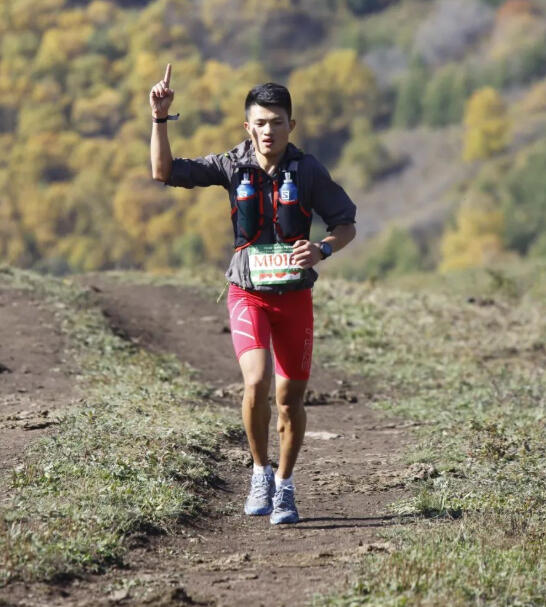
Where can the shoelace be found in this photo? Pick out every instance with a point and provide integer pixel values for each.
(260, 486)
(284, 499)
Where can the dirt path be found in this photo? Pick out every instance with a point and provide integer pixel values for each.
(36, 374)
(345, 479)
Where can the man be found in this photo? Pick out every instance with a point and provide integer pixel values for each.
(273, 188)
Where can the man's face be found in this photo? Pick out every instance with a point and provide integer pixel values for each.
(269, 129)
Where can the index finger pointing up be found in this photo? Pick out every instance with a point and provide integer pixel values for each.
(167, 78)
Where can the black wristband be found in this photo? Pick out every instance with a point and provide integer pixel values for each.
(169, 117)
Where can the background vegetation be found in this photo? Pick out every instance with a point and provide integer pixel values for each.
(76, 192)
(462, 357)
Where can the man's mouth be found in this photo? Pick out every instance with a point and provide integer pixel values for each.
(268, 141)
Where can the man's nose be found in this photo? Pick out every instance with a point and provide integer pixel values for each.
(268, 128)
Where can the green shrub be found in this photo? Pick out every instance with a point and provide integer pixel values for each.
(525, 201)
(391, 253)
(408, 108)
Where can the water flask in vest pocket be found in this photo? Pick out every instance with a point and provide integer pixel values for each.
(291, 221)
(247, 209)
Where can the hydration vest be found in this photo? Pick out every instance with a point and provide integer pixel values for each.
(291, 218)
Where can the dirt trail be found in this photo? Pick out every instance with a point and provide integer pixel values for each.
(345, 479)
(36, 374)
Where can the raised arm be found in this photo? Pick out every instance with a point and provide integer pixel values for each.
(161, 97)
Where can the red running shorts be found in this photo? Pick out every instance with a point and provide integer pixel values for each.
(286, 320)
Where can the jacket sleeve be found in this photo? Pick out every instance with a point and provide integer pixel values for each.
(329, 199)
(205, 171)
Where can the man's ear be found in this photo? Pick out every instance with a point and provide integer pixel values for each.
(247, 127)
(292, 125)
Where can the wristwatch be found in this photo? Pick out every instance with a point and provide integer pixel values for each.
(168, 117)
(325, 249)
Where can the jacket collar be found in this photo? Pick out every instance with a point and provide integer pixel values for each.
(244, 154)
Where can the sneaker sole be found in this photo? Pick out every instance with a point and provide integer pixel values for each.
(290, 519)
(258, 511)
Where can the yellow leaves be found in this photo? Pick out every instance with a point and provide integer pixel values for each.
(98, 115)
(45, 90)
(43, 157)
(138, 203)
(326, 95)
(83, 253)
(101, 12)
(44, 117)
(535, 99)
(209, 217)
(59, 45)
(34, 15)
(487, 125)
(477, 238)
(514, 33)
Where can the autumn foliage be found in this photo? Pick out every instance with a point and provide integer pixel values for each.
(487, 125)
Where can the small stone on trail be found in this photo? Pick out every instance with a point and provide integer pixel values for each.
(119, 595)
(323, 435)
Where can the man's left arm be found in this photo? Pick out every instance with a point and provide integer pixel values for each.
(307, 254)
(337, 210)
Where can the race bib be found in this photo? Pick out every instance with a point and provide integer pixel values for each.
(273, 264)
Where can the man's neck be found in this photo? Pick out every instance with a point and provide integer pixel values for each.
(269, 163)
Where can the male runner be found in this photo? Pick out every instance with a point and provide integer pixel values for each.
(271, 272)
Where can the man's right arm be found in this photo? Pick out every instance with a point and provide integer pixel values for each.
(161, 97)
(160, 152)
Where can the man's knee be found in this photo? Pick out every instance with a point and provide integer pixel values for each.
(256, 389)
(289, 410)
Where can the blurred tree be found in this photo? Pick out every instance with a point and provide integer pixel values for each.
(535, 98)
(102, 12)
(362, 7)
(328, 94)
(38, 16)
(445, 95)
(511, 8)
(538, 248)
(99, 115)
(88, 75)
(363, 158)
(524, 203)
(209, 219)
(188, 250)
(395, 252)
(138, 202)
(409, 98)
(59, 46)
(449, 29)
(487, 125)
(476, 238)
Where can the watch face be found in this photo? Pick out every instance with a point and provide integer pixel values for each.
(325, 249)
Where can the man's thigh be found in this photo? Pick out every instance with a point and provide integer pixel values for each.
(292, 336)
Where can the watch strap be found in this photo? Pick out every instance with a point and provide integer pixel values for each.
(168, 117)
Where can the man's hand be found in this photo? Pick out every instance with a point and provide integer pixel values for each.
(161, 96)
(306, 254)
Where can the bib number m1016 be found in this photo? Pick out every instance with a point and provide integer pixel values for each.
(273, 264)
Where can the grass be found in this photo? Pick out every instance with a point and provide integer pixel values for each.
(137, 453)
(208, 280)
(466, 354)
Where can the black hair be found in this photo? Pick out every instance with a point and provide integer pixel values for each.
(269, 94)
